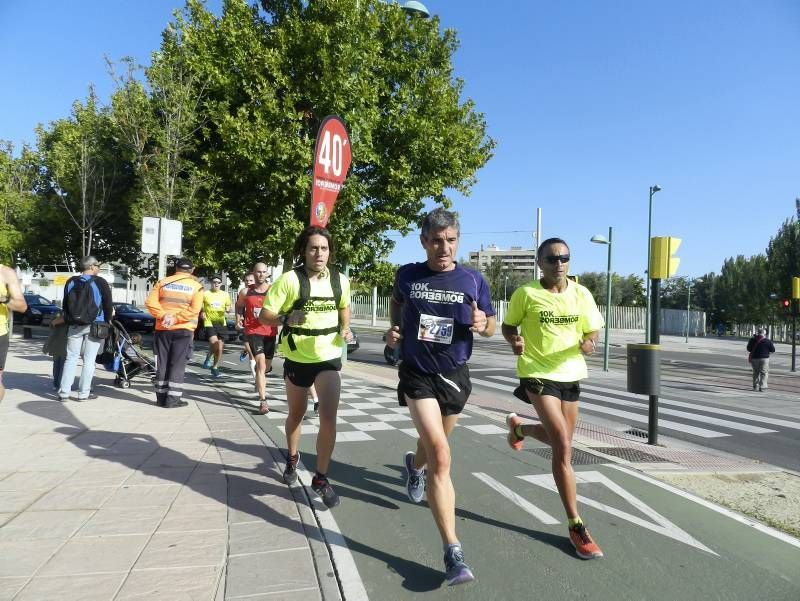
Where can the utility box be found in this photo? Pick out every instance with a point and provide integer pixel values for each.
(644, 369)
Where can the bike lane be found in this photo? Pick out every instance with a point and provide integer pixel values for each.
(659, 543)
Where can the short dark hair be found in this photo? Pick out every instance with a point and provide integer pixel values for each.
(440, 219)
(547, 243)
(302, 241)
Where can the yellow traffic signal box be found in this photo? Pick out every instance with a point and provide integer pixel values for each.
(662, 264)
(796, 287)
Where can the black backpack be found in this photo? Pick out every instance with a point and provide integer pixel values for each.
(305, 296)
(80, 308)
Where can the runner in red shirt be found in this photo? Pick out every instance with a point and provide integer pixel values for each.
(260, 338)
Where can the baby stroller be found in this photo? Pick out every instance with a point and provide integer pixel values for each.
(131, 362)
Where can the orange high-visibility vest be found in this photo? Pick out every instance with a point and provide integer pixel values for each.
(181, 295)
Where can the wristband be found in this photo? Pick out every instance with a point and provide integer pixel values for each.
(284, 319)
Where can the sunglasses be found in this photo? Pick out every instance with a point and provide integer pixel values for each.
(553, 259)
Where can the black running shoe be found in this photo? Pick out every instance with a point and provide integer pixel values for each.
(324, 489)
(290, 473)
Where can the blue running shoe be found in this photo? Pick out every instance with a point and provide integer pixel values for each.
(455, 570)
(415, 479)
(207, 362)
(242, 356)
(215, 372)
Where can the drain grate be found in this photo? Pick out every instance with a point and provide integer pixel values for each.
(631, 455)
(636, 432)
(579, 457)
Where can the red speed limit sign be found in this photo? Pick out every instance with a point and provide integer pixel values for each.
(331, 163)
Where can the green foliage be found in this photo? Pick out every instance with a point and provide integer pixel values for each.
(626, 291)
(270, 80)
(16, 200)
(380, 274)
(783, 258)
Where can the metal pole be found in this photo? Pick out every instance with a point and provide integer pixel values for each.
(162, 258)
(688, 303)
(647, 271)
(537, 242)
(794, 334)
(374, 305)
(608, 303)
(652, 414)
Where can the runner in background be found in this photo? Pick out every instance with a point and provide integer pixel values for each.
(259, 337)
(11, 299)
(436, 308)
(560, 323)
(249, 280)
(216, 303)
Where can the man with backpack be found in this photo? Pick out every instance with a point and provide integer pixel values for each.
(87, 311)
(760, 348)
(175, 302)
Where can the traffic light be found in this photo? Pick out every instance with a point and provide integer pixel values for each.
(662, 264)
(796, 288)
(785, 303)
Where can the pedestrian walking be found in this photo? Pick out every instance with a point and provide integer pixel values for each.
(312, 303)
(260, 339)
(760, 348)
(87, 310)
(56, 347)
(436, 308)
(175, 302)
(11, 299)
(559, 324)
(216, 303)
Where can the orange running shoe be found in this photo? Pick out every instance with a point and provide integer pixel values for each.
(585, 547)
(514, 441)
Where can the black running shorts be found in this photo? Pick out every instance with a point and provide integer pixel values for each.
(220, 330)
(3, 351)
(565, 391)
(261, 345)
(304, 374)
(451, 390)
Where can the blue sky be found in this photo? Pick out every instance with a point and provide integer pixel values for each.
(591, 103)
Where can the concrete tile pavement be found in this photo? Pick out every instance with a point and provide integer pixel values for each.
(115, 498)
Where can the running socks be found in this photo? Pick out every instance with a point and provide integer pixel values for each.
(576, 521)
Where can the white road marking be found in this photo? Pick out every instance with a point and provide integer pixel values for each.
(709, 505)
(509, 494)
(662, 526)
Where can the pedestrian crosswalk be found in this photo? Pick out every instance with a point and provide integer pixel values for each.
(632, 409)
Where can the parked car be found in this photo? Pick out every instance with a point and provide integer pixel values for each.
(40, 311)
(133, 318)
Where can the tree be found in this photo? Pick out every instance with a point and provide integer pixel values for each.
(17, 175)
(743, 288)
(783, 258)
(270, 78)
(84, 174)
(380, 274)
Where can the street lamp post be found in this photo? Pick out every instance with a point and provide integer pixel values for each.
(505, 288)
(688, 304)
(653, 190)
(601, 240)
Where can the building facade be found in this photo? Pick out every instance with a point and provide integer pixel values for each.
(517, 260)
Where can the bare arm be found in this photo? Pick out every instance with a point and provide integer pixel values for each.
(16, 301)
(589, 342)
(395, 317)
(511, 334)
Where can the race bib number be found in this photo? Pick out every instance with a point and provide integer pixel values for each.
(433, 328)
(216, 305)
(256, 311)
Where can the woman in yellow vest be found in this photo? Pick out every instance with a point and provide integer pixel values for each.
(316, 327)
(11, 299)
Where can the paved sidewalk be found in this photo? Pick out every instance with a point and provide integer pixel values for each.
(118, 499)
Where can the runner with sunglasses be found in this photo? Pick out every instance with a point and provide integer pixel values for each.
(216, 303)
(559, 323)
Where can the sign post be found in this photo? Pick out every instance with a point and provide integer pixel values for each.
(332, 157)
(161, 237)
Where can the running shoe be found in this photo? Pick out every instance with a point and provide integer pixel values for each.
(290, 473)
(585, 547)
(324, 489)
(316, 406)
(415, 479)
(207, 362)
(263, 408)
(456, 571)
(242, 356)
(514, 441)
(215, 372)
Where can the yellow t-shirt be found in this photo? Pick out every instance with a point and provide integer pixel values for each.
(215, 304)
(553, 325)
(4, 312)
(320, 314)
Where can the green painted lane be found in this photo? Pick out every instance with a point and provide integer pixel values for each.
(657, 543)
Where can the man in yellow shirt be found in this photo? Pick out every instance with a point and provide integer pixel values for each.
(216, 303)
(560, 324)
(11, 299)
